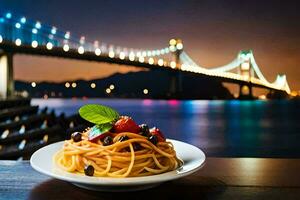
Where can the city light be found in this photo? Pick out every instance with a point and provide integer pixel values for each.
(8, 15)
(96, 43)
(151, 61)
(111, 54)
(173, 64)
(245, 90)
(131, 56)
(67, 84)
(53, 30)
(38, 25)
(74, 85)
(172, 48)
(82, 40)
(45, 139)
(262, 97)
(97, 52)
(160, 62)
(67, 35)
(108, 91)
(111, 87)
(23, 20)
(141, 59)
(167, 50)
(145, 91)
(34, 44)
(1, 39)
(18, 42)
(93, 85)
(49, 45)
(122, 55)
(81, 50)
(179, 46)
(66, 47)
(172, 42)
(34, 31)
(18, 25)
(33, 84)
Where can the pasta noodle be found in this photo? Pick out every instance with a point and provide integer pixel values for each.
(120, 159)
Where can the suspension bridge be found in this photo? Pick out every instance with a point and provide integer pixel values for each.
(19, 35)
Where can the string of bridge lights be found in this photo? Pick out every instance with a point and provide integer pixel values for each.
(244, 61)
(63, 39)
(67, 42)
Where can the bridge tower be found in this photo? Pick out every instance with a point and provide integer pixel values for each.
(246, 70)
(8, 32)
(176, 47)
(6, 74)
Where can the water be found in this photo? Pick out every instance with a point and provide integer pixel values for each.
(220, 128)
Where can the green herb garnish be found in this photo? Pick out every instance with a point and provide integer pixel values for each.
(98, 114)
(99, 131)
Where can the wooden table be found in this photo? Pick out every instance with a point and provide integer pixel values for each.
(220, 178)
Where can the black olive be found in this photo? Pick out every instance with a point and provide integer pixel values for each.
(123, 138)
(107, 140)
(89, 170)
(153, 139)
(137, 146)
(76, 136)
(144, 130)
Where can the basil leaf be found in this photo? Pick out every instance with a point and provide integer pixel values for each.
(98, 114)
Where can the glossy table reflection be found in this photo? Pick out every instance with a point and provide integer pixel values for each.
(220, 178)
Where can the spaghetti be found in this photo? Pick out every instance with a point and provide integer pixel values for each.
(128, 155)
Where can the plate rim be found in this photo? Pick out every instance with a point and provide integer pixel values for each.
(110, 181)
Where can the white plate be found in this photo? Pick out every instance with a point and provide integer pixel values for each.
(192, 157)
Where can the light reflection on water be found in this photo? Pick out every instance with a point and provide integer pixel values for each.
(220, 128)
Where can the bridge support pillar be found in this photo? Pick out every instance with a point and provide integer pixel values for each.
(245, 91)
(6, 75)
(176, 47)
(175, 84)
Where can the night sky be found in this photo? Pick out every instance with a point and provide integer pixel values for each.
(213, 32)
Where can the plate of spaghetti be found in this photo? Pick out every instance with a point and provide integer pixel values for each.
(116, 154)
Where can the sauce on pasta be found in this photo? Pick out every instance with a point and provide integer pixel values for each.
(119, 159)
(124, 150)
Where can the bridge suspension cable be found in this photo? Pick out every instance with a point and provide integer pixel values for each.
(225, 68)
(23, 31)
(51, 36)
(189, 64)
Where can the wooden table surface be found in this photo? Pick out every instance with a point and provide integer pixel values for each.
(220, 178)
